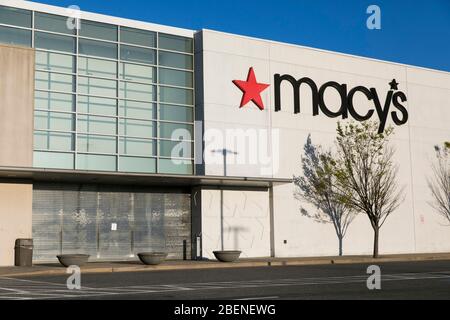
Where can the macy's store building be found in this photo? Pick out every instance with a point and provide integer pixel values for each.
(121, 136)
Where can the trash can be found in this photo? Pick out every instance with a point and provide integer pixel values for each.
(23, 253)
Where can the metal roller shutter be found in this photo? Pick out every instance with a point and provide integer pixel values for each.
(109, 223)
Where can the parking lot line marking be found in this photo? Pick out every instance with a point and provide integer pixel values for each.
(258, 298)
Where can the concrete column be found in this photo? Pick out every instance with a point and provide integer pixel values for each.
(16, 106)
(16, 145)
(16, 206)
(272, 223)
(196, 226)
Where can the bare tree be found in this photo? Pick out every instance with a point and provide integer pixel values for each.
(318, 187)
(367, 174)
(440, 182)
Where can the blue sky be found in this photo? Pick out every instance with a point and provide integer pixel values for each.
(413, 32)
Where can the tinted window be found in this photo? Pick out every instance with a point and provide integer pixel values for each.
(175, 43)
(15, 36)
(139, 147)
(132, 164)
(98, 30)
(44, 140)
(176, 113)
(54, 42)
(138, 73)
(96, 162)
(102, 106)
(15, 17)
(99, 87)
(51, 22)
(175, 131)
(53, 160)
(138, 37)
(98, 48)
(175, 60)
(97, 67)
(93, 143)
(175, 167)
(176, 78)
(136, 54)
(176, 95)
(54, 82)
(54, 61)
(54, 101)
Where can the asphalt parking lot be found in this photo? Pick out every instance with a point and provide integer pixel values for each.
(405, 280)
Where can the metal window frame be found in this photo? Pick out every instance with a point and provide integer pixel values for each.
(118, 98)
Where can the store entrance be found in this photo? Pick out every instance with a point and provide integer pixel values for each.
(109, 223)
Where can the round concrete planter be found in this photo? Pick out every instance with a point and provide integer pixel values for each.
(152, 258)
(227, 256)
(68, 260)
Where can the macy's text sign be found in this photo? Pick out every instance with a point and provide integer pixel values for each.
(381, 106)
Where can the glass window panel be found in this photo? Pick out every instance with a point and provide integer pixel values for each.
(54, 101)
(96, 144)
(176, 77)
(97, 67)
(55, 42)
(175, 60)
(176, 149)
(98, 48)
(100, 106)
(176, 95)
(99, 87)
(136, 54)
(175, 43)
(54, 81)
(137, 147)
(138, 73)
(55, 141)
(176, 113)
(50, 22)
(44, 120)
(53, 160)
(91, 29)
(55, 62)
(15, 17)
(15, 36)
(99, 125)
(139, 110)
(137, 128)
(175, 166)
(175, 131)
(138, 37)
(137, 91)
(96, 162)
(138, 165)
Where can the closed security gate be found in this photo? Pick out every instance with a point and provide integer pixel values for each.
(109, 223)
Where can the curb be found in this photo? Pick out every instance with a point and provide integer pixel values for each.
(243, 264)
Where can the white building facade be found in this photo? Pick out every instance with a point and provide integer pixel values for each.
(271, 222)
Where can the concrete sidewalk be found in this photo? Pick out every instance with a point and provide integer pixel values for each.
(136, 266)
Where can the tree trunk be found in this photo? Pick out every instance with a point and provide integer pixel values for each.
(375, 241)
(340, 246)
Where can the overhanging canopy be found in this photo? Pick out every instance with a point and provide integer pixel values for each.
(155, 180)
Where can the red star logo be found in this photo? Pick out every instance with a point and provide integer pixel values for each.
(252, 90)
